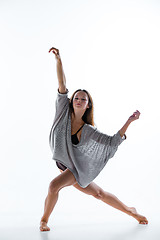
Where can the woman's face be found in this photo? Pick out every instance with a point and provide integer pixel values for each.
(80, 100)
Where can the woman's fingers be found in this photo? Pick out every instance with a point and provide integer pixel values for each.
(54, 50)
(135, 115)
(137, 112)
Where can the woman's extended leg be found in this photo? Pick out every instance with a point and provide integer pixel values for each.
(65, 179)
(94, 190)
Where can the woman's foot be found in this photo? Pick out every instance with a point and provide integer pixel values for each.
(43, 226)
(141, 219)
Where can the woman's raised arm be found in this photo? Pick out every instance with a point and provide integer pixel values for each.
(60, 73)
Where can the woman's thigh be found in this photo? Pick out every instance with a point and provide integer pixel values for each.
(92, 189)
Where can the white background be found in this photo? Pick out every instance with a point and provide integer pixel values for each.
(111, 49)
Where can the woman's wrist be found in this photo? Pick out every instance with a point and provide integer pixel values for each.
(128, 121)
(59, 61)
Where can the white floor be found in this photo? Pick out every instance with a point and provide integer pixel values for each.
(121, 228)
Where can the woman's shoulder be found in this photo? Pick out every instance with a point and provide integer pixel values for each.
(93, 131)
(90, 127)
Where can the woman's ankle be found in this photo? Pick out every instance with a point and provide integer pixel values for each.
(44, 220)
(131, 211)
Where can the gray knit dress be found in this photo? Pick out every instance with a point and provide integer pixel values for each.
(87, 158)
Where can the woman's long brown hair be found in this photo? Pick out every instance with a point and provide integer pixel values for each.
(88, 115)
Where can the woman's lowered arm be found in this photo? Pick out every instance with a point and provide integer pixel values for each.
(60, 72)
(132, 118)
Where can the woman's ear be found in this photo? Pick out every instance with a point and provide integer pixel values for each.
(89, 105)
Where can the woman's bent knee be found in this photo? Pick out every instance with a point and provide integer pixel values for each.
(99, 194)
(63, 180)
(53, 187)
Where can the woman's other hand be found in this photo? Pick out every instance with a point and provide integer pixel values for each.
(56, 52)
(134, 116)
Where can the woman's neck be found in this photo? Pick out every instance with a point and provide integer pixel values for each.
(77, 118)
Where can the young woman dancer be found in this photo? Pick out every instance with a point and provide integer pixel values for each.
(80, 150)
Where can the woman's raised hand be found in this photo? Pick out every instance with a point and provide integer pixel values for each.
(134, 116)
(56, 52)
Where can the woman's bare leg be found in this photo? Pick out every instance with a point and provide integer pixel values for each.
(94, 190)
(65, 179)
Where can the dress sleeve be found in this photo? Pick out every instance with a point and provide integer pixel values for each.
(108, 144)
(102, 138)
(61, 101)
(116, 139)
